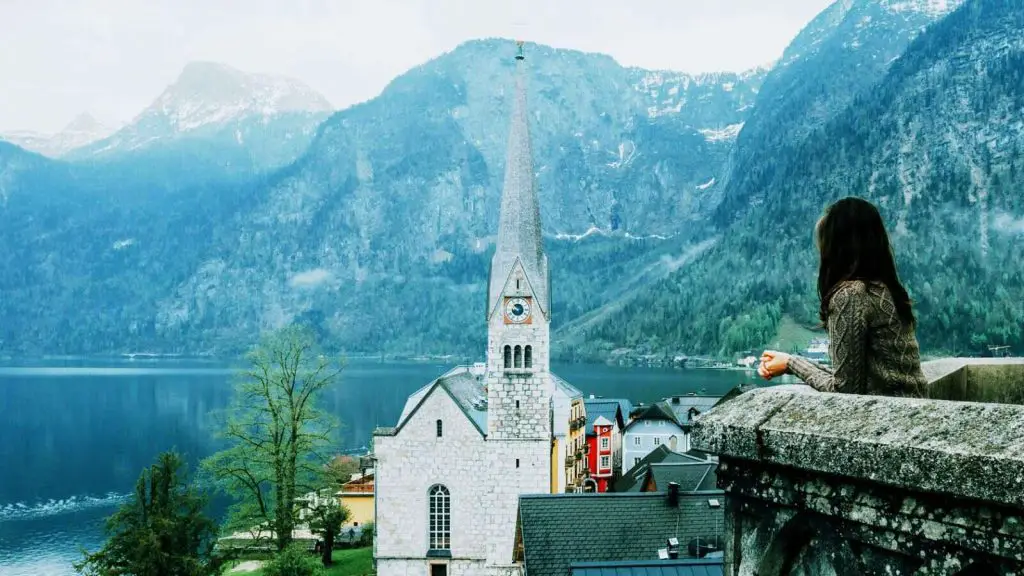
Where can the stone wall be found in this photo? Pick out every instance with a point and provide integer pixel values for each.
(409, 464)
(823, 484)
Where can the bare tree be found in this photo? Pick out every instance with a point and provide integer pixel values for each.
(277, 436)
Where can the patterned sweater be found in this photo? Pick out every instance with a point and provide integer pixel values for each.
(872, 351)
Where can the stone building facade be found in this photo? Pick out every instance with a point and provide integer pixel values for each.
(449, 475)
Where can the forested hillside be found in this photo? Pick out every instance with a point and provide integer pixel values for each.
(936, 143)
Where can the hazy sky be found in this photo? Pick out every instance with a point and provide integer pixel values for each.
(113, 57)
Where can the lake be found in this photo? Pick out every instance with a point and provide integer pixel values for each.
(76, 433)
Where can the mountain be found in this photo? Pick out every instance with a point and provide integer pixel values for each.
(843, 52)
(935, 142)
(83, 130)
(379, 233)
(244, 122)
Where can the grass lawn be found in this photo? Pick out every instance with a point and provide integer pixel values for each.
(349, 562)
(792, 337)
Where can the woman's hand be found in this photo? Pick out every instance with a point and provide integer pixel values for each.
(773, 364)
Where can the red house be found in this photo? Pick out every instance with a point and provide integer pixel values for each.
(600, 455)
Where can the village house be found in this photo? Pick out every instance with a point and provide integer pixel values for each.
(605, 422)
(568, 458)
(449, 474)
(651, 427)
(357, 496)
(686, 408)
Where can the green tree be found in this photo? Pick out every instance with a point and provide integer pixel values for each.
(278, 437)
(326, 515)
(161, 531)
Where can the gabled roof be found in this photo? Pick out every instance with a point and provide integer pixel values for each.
(608, 408)
(602, 421)
(686, 407)
(690, 476)
(566, 388)
(464, 385)
(632, 480)
(641, 525)
(659, 411)
(689, 567)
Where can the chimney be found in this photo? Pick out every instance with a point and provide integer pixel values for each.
(673, 494)
(673, 548)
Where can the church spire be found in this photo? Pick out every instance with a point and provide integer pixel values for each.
(519, 232)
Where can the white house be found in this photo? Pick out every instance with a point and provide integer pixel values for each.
(656, 425)
(466, 446)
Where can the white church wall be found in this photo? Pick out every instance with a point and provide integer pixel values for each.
(411, 462)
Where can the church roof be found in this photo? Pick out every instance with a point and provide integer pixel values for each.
(610, 527)
(566, 388)
(519, 230)
(465, 386)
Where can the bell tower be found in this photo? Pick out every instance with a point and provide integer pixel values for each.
(518, 301)
(519, 386)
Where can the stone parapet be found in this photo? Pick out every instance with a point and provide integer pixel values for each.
(844, 484)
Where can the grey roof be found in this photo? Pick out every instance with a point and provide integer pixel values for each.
(610, 527)
(656, 411)
(690, 567)
(519, 229)
(464, 386)
(681, 406)
(689, 475)
(610, 408)
(632, 480)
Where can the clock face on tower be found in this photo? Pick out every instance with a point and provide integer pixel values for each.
(517, 310)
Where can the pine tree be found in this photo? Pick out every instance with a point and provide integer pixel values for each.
(162, 531)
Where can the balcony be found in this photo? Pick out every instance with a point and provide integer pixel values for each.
(577, 423)
(875, 485)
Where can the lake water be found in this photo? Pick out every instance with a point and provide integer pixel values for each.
(74, 435)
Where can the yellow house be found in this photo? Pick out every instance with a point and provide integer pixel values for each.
(357, 496)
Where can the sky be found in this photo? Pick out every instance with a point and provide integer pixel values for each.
(112, 58)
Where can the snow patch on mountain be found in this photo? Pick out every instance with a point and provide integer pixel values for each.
(933, 8)
(722, 134)
(83, 130)
(706, 185)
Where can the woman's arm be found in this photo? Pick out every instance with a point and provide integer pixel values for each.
(848, 331)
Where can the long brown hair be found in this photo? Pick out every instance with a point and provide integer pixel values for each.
(854, 245)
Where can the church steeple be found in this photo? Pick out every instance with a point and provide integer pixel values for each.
(519, 232)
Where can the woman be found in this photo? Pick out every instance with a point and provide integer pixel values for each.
(866, 309)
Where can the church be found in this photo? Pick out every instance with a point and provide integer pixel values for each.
(449, 474)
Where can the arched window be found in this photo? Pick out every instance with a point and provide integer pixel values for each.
(508, 356)
(528, 357)
(519, 357)
(440, 428)
(440, 518)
